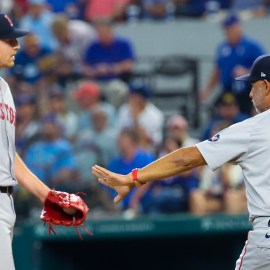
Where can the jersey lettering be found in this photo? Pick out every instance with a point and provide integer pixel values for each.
(2, 112)
(12, 116)
(7, 107)
(7, 113)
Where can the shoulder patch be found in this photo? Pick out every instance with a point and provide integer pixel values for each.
(214, 138)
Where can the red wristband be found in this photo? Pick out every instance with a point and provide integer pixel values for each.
(136, 181)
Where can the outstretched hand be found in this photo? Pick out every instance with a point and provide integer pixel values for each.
(119, 182)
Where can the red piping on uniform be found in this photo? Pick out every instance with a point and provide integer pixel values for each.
(243, 256)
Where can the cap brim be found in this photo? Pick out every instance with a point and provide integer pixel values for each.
(245, 78)
(15, 34)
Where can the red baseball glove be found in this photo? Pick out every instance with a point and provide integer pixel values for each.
(62, 208)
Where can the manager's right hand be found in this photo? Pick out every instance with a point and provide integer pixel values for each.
(119, 182)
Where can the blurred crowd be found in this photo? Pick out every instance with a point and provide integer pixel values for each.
(79, 105)
(131, 10)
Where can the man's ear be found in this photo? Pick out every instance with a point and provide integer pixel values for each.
(267, 85)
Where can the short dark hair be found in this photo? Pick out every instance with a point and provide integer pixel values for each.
(131, 133)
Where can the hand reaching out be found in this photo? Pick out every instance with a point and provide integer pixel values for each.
(119, 182)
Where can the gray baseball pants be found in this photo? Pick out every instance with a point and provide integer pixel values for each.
(256, 252)
(7, 221)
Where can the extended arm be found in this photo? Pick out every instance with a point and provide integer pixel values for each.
(181, 160)
(29, 181)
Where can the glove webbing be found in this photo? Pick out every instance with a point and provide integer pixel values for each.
(52, 230)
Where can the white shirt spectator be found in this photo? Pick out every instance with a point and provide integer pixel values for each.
(73, 37)
(151, 119)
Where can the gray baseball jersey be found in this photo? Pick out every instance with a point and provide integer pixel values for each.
(7, 135)
(248, 144)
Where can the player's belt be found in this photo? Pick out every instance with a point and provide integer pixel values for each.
(8, 190)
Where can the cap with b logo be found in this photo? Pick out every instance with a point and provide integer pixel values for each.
(7, 29)
(260, 70)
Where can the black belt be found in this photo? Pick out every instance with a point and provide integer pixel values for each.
(9, 190)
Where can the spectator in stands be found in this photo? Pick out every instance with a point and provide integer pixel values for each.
(169, 143)
(109, 58)
(67, 119)
(169, 195)
(31, 64)
(68, 7)
(189, 8)
(142, 115)
(234, 57)
(27, 122)
(130, 156)
(157, 9)
(19, 9)
(95, 144)
(52, 157)
(38, 20)
(252, 8)
(114, 10)
(226, 109)
(73, 38)
(178, 128)
(221, 190)
(88, 95)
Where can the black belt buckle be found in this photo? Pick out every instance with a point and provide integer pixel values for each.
(9, 190)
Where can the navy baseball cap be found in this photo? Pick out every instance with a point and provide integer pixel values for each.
(260, 70)
(7, 29)
(140, 88)
(230, 19)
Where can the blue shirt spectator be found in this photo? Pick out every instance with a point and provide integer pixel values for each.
(170, 195)
(109, 57)
(130, 157)
(123, 166)
(27, 66)
(234, 57)
(61, 6)
(38, 21)
(47, 159)
(229, 57)
(52, 158)
(119, 50)
(167, 196)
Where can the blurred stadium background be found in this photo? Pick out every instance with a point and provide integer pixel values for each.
(156, 241)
